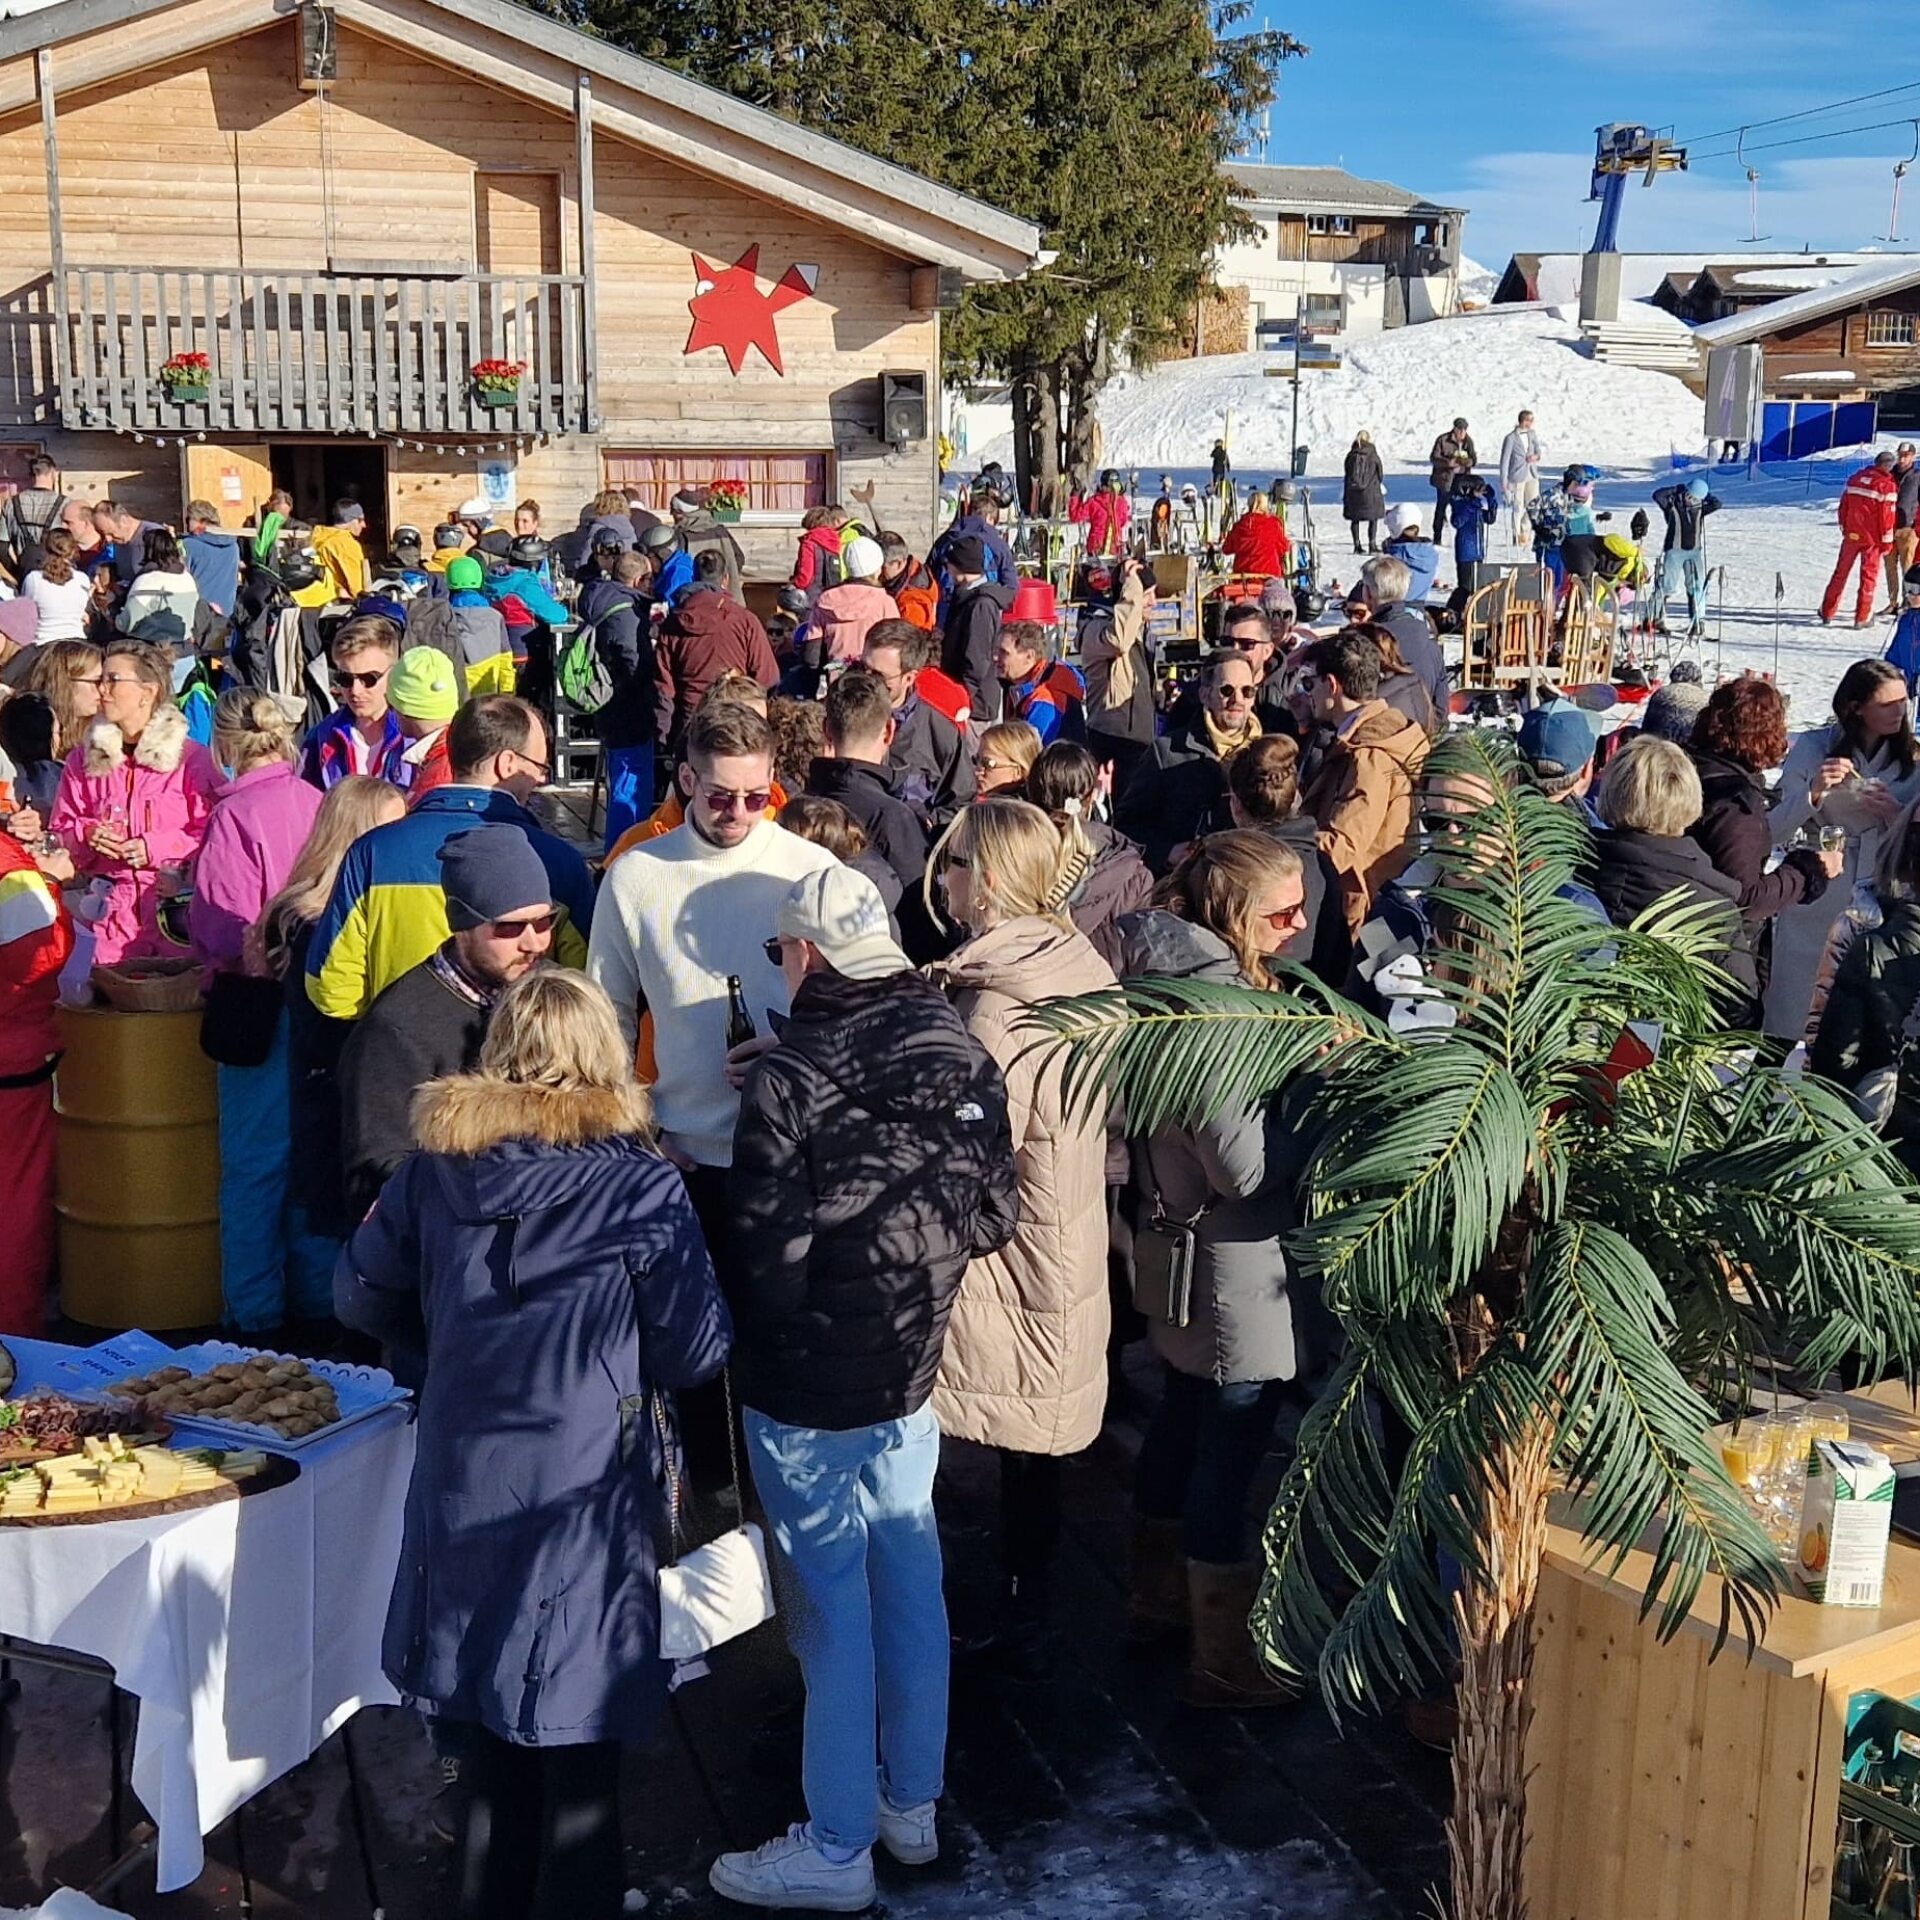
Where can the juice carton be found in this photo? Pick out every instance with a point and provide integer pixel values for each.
(1845, 1523)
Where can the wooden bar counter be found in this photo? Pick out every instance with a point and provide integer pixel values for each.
(1669, 1786)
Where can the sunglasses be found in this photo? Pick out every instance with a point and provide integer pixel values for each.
(513, 929)
(1246, 642)
(1287, 919)
(959, 860)
(341, 681)
(773, 950)
(120, 680)
(733, 800)
(1445, 824)
(1235, 696)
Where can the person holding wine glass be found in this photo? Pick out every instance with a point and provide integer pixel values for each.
(135, 797)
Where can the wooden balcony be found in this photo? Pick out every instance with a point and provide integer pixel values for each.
(322, 353)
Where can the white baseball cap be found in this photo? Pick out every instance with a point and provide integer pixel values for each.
(841, 913)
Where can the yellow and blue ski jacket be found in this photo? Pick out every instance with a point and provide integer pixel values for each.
(388, 912)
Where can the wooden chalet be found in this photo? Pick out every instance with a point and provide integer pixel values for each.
(346, 206)
(1856, 338)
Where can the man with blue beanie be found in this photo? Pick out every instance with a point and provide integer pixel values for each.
(1685, 507)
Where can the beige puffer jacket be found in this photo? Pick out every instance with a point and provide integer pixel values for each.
(1026, 1356)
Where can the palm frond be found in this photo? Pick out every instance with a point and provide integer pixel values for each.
(1417, 1164)
(1173, 1052)
(1632, 1433)
(1328, 1520)
(1395, 1632)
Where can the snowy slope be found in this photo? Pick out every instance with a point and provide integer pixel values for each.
(1478, 284)
(1404, 387)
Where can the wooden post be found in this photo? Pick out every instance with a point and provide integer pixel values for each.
(583, 132)
(62, 324)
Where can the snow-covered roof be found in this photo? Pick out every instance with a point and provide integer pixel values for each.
(1555, 277)
(1787, 279)
(1850, 290)
(1327, 190)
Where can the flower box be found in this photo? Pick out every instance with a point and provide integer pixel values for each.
(496, 383)
(187, 378)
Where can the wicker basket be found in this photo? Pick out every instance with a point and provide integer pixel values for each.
(157, 985)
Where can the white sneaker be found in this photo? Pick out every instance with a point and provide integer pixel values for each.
(792, 1872)
(908, 1833)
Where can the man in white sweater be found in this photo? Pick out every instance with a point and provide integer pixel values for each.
(678, 914)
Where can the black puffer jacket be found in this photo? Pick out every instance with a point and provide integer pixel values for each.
(871, 1162)
(1737, 833)
(1876, 988)
(1634, 870)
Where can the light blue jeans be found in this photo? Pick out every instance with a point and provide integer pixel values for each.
(857, 1564)
(1684, 572)
(271, 1265)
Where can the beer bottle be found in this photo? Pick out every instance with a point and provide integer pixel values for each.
(740, 1027)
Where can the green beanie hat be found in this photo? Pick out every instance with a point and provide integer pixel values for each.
(466, 573)
(424, 686)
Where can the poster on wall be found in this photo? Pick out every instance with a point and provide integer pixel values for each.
(731, 313)
(496, 485)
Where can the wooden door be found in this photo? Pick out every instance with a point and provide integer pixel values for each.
(234, 477)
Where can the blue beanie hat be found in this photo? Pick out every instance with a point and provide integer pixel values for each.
(489, 872)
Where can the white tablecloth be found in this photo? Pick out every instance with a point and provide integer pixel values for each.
(248, 1631)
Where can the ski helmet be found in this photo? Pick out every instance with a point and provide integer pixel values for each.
(1698, 488)
(1283, 490)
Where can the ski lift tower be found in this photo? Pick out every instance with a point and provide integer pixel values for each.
(1618, 152)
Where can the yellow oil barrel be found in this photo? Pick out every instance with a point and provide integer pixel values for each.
(137, 1185)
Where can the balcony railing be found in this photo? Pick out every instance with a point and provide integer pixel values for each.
(324, 353)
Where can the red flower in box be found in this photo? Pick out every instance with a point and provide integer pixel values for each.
(187, 370)
(726, 496)
(498, 376)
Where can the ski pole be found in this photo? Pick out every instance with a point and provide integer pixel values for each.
(1779, 596)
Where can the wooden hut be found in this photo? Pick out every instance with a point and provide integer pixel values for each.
(347, 207)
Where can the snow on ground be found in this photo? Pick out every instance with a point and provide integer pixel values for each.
(1404, 387)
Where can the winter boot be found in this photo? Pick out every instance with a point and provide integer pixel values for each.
(1222, 1670)
(1157, 1588)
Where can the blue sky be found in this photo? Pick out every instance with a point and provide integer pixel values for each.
(1491, 105)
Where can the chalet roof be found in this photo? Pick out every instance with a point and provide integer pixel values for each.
(1555, 277)
(1327, 190)
(1851, 290)
(517, 50)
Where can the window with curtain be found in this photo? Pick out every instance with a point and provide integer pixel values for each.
(784, 483)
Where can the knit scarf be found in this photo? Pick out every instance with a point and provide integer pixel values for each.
(1226, 744)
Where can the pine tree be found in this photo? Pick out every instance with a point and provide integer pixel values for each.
(1104, 125)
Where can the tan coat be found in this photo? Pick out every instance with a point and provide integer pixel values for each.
(1025, 1365)
(1362, 800)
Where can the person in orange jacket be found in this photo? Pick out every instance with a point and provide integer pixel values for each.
(36, 936)
(1257, 543)
(1869, 510)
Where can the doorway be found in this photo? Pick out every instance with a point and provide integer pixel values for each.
(319, 472)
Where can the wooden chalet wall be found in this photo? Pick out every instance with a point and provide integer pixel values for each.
(1838, 342)
(1376, 241)
(219, 159)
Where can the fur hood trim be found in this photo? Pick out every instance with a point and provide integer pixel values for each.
(471, 1112)
(159, 749)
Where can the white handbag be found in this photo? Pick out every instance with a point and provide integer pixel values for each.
(717, 1592)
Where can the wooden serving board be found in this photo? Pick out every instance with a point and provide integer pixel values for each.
(276, 1473)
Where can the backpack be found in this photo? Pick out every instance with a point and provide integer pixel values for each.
(25, 537)
(585, 679)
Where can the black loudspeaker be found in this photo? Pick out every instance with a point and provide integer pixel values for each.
(903, 408)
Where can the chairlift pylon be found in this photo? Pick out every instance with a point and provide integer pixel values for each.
(1754, 235)
(1900, 168)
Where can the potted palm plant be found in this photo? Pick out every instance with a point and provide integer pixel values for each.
(496, 383)
(1539, 1263)
(187, 377)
